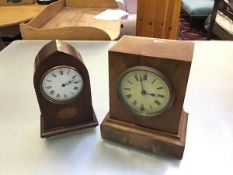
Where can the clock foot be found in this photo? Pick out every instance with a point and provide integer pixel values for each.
(67, 128)
(148, 139)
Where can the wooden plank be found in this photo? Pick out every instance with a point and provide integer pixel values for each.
(67, 17)
(112, 28)
(143, 138)
(173, 19)
(158, 18)
(92, 3)
(144, 25)
(69, 33)
(47, 14)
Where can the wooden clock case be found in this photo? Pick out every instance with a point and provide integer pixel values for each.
(62, 118)
(166, 132)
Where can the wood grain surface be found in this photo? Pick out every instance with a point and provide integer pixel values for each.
(158, 18)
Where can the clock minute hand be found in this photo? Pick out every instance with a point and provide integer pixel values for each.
(143, 92)
(151, 94)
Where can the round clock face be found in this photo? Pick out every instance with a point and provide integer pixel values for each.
(61, 84)
(145, 91)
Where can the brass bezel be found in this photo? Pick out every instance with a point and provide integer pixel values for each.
(154, 71)
(62, 101)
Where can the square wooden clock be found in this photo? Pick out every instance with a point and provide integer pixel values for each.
(148, 80)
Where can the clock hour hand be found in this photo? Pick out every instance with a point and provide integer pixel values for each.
(69, 82)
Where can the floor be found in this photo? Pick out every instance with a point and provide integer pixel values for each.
(194, 31)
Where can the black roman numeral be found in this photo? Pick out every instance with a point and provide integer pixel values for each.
(129, 96)
(162, 96)
(54, 75)
(157, 102)
(145, 77)
(142, 107)
(127, 89)
(61, 72)
(135, 102)
(129, 82)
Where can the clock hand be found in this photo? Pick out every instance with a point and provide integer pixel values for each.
(69, 82)
(143, 92)
(151, 94)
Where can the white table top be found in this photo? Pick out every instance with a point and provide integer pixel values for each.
(209, 101)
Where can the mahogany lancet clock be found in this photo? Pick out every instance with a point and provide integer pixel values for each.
(148, 80)
(63, 90)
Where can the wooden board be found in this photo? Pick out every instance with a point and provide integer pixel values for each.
(151, 140)
(59, 21)
(158, 18)
(92, 3)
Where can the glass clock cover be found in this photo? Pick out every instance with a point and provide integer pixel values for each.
(145, 91)
(61, 84)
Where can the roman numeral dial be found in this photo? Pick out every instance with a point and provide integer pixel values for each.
(61, 84)
(145, 91)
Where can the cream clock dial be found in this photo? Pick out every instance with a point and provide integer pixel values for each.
(61, 84)
(145, 91)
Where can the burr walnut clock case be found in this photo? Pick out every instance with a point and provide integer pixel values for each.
(148, 80)
(62, 86)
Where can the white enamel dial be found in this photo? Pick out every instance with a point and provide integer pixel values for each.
(61, 84)
(145, 91)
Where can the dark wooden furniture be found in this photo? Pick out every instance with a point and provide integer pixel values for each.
(161, 133)
(2, 45)
(225, 7)
(56, 117)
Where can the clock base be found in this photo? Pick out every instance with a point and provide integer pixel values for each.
(148, 139)
(44, 133)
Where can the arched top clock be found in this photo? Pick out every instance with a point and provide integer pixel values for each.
(62, 86)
